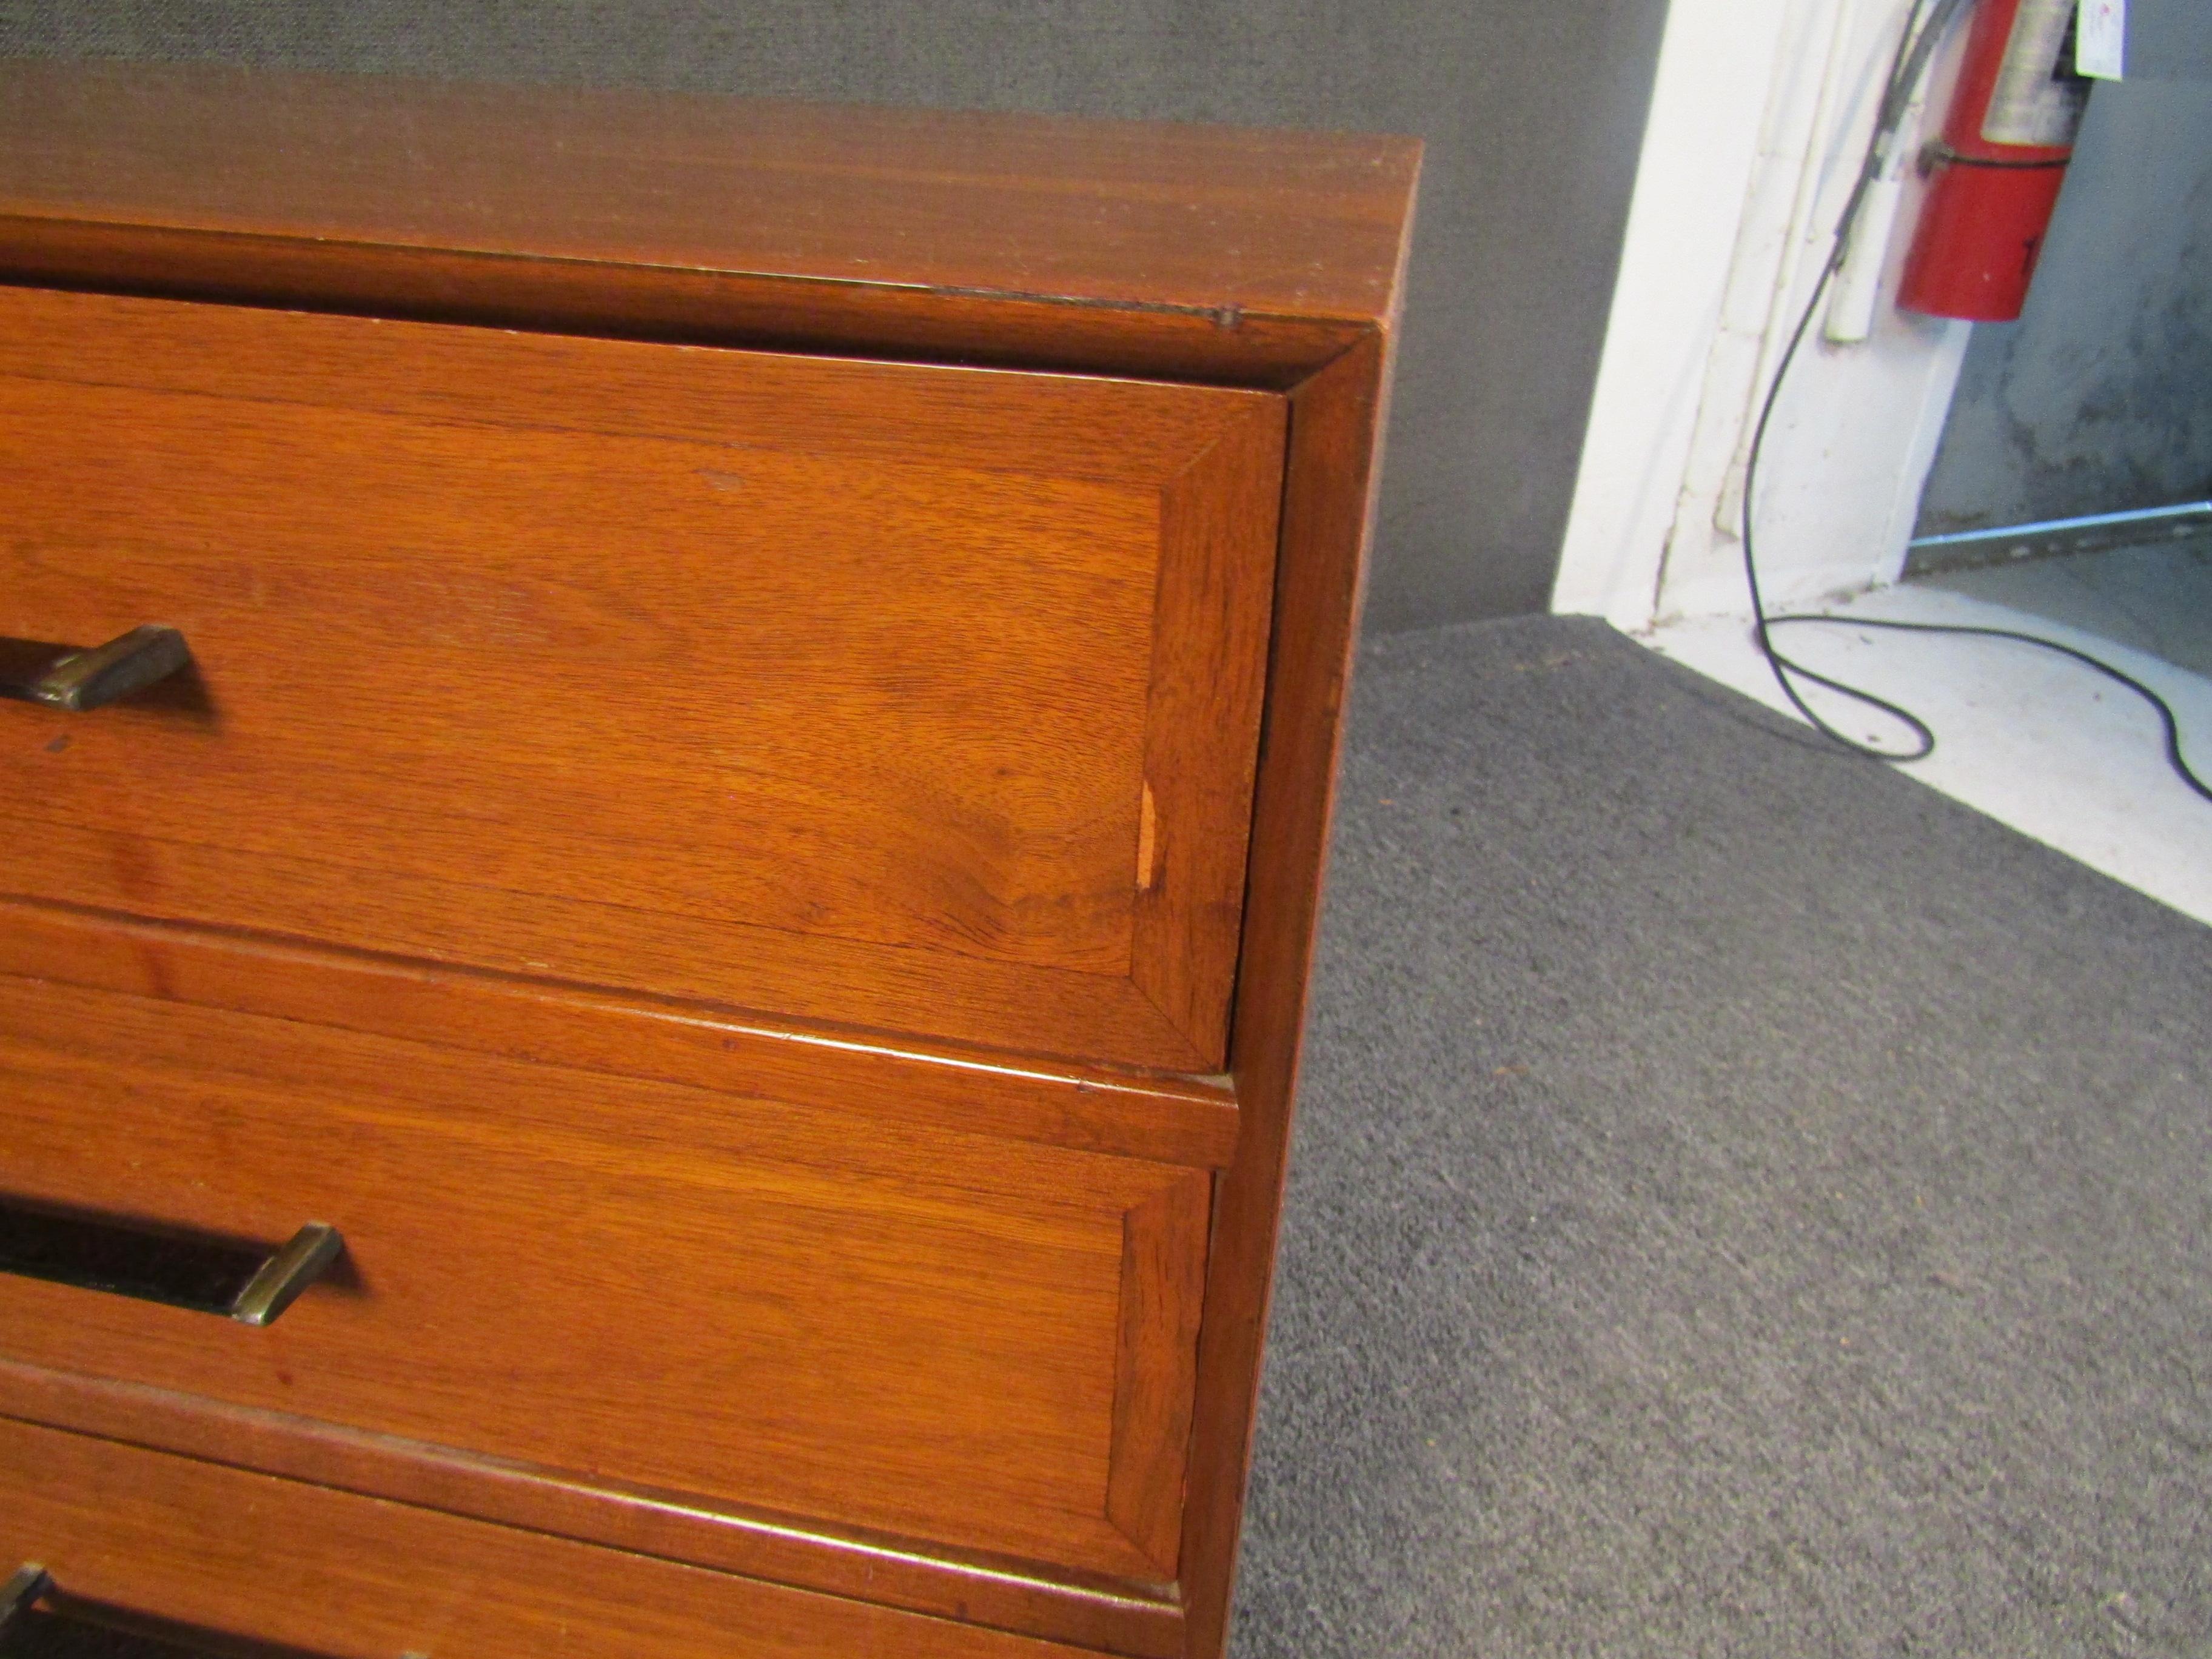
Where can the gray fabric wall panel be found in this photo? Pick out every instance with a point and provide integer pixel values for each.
(1533, 117)
(2169, 40)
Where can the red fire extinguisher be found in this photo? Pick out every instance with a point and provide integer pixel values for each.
(1998, 166)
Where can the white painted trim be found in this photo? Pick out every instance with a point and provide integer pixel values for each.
(1758, 115)
(1700, 144)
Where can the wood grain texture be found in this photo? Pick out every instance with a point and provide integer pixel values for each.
(1163, 1119)
(1060, 1195)
(1163, 1284)
(1111, 1616)
(745, 1301)
(1161, 219)
(273, 1560)
(658, 302)
(1335, 429)
(683, 669)
(1202, 734)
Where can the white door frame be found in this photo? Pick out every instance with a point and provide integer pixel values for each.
(1758, 114)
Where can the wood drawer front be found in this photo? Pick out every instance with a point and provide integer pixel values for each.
(911, 697)
(972, 1343)
(254, 1557)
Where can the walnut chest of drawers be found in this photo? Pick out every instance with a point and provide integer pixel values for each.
(666, 766)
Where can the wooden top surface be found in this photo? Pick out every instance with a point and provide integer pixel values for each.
(1123, 215)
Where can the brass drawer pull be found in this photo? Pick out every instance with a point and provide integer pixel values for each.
(77, 678)
(207, 1275)
(25, 1586)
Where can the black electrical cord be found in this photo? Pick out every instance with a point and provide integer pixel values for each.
(1922, 31)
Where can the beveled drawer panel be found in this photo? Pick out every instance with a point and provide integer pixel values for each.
(129, 1536)
(910, 697)
(967, 1342)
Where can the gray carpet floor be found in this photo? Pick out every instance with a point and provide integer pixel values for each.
(1744, 1203)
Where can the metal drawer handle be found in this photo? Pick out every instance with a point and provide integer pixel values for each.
(206, 1275)
(25, 1586)
(110, 1630)
(277, 1284)
(77, 678)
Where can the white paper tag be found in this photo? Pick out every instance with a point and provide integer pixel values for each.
(2101, 47)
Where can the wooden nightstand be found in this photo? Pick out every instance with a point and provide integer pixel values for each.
(658, 1014)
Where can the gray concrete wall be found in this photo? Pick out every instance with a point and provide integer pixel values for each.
(2169, 40)
(2099, 398)
(1534, 116)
